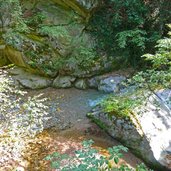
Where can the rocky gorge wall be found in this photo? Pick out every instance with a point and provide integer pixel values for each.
(58, 43)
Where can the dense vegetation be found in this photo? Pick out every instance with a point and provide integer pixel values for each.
(145, 82)
(130, 28)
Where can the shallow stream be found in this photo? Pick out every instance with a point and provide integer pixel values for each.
(69, 127)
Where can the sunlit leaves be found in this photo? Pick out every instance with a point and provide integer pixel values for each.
(160, 74)
(136, 37)
(88, 158)
(21, 117)
(115, 153)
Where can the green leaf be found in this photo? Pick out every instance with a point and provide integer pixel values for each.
(55, 164)
(116, 160)
(55, 154)
(48, 157)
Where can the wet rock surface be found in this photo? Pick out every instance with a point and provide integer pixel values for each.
(110, 84)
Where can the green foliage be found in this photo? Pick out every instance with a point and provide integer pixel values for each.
(82, 55)
(21, 118)
(135, 37)
(88, 158)
(129, 28)
(11, 10)
(12, 23)
(54, 31)
(152, 79)
(35, 20)
(160, 74)
(122, 105)
(162, 59)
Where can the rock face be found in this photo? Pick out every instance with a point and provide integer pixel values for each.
(29, 80)
(61, 45)
(51, 54)
(63, 82)
(147, 132)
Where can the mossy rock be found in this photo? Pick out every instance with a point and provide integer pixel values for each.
(60, 43)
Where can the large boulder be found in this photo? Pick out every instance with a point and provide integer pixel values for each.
(61, 45)
(146, 131)
(29, 80)
(111, 84)
(107, 84)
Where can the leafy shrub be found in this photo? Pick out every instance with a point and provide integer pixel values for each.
(122, 105)
(88, 158)
(160, 74)
(129, 28)
(12, 11)
(147, 82)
